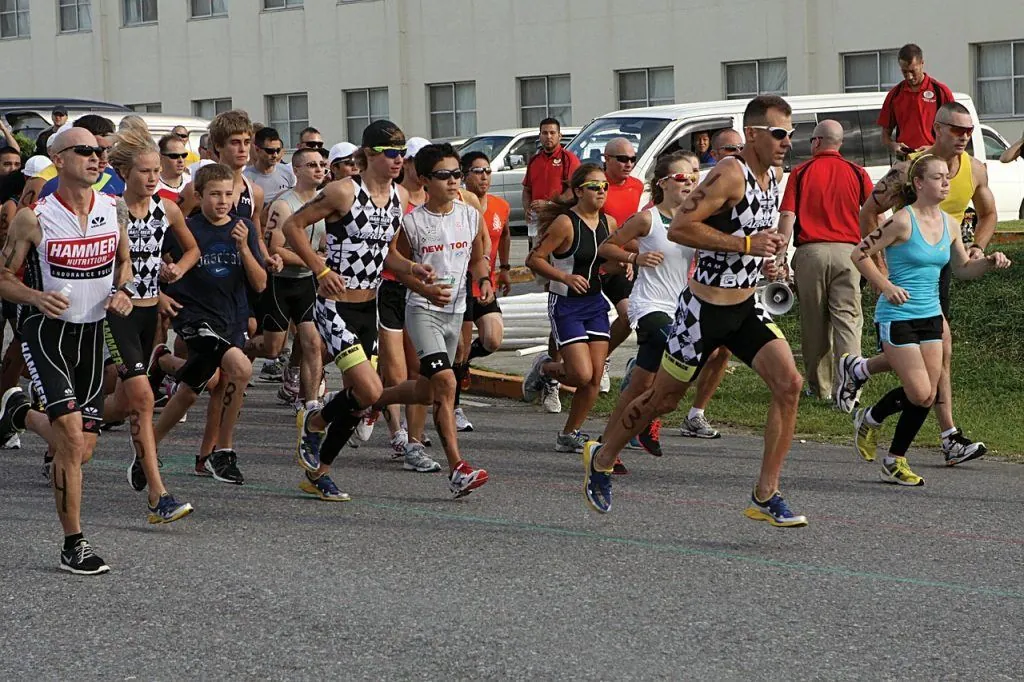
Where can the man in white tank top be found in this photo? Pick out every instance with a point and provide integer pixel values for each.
(75, 248)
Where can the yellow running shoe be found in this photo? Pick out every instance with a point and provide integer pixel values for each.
(865, 436)
(899, 473)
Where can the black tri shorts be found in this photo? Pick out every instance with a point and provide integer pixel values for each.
(349, 330)
(130, 340)
(391, 305)
(616, 287)
(206, 348)
(652, 332)
(287, 300)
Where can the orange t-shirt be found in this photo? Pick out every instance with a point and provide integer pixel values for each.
(495, 219)
(623, 200)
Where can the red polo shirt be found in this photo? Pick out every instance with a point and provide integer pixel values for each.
(623, 200)
(826, 194)
(546, 172)
(913, 113)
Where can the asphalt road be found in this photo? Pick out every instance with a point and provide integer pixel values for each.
(519, 580)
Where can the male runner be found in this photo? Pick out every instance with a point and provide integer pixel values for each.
(267, 171)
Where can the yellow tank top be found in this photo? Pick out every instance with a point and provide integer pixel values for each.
(961, 188)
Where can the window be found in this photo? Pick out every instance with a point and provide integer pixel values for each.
(363, 106)
(453, 109)
(147, 107)
(136, 12)
(281, 4)
(14, 19)
(543, 97)
(646, 87)
(204, 9)
(208, 108)
(871, 71)
(1000, 79)
(744, 80)
(289, 114)
(994, 145)
(75, 16)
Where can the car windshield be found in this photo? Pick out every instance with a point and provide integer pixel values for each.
(588, 145)
(488, 144)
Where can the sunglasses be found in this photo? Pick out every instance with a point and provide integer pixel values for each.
(621, 158)
(958, 130)
(272, 150)
(175, 155)
(313, 144)
(181, 136)
(348, 161)
(84, 150)
(683, 177)
(733, 148)
(446, 174)
(315, 164)
(390, 152)
(480, 171)
(597, 186)
(776, 132)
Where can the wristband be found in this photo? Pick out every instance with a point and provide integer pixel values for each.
(504, 266)
(746, 244)
(323, 273)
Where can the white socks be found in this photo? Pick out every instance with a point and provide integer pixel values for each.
(695, 412)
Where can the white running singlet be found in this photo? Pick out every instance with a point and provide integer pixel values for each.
(445, 243)
(657, 289)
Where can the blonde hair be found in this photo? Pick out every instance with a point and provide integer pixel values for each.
(133, 122)
(130, 143)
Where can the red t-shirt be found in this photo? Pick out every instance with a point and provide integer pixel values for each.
(495, 220)
(623, 200)
(546, 173)
(832, 190)
(913, 113)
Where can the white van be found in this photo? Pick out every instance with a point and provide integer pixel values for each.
(657, 130)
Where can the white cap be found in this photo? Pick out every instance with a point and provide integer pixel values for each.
(35, 165)
(413, 146)
(341, 150)
(58, 131)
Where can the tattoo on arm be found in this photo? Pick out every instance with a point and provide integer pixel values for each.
(884, 186)
(122, 213)
(699, 194)
(870, 240)
(312, 202)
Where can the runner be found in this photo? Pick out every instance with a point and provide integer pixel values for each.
(173, 174)
(730, 219)
(342, 161)
(267, 171)
(968, 184)
(67, 297)
(569, 232)
(919, 241)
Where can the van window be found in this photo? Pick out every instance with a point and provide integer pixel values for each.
(853, 141)
(801, 149)
(526, 147)
(589, 144)
(875, 153)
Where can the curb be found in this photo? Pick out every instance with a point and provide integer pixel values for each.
(497, 385)
(520, 274)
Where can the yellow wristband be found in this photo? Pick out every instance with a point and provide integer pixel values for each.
(323, 273)
(746, 244)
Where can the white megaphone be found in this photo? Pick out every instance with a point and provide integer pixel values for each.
(777, 298)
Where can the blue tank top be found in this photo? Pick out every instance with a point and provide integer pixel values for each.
(914, 265)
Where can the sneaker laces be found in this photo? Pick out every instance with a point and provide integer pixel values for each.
(778, 506)
(958, 438)
(654, 430)
(83, 551)
(326, 483)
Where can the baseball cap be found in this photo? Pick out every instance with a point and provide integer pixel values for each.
(383, 133)
(414, 145)
(340, 151)
(60, 109)
(35, 165)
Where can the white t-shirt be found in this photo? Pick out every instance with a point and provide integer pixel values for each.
(445, 243)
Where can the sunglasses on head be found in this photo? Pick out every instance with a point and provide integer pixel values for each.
(621, 158)
(313, 144)
(390, 152)
(446, 174)
(84, 150)
(595, 185)
(480, 170)
(175, 155)
(776, 132)
(272, 150)
(958, 130)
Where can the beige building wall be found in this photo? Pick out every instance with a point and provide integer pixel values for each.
(329, 46)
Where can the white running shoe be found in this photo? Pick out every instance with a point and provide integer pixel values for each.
(365, 428)
(14, 442)
(606, 378)
(399, 441)
(551, 401)
(416, 459)
(461, 423)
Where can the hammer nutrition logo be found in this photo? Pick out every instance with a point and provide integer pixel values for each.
(82, 257)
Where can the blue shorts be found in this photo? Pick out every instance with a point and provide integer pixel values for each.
(576, 319)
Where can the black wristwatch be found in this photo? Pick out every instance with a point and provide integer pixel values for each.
(504, 266)
(128, 288)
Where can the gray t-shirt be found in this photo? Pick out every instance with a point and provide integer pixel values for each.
(314, 232)
(281, 178)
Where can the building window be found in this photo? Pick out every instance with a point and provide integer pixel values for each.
(138, 12)
(999, 79)
(205, 9)
(147, 107)
(871, 71)
(281, 4)
(543, 97)
(646, 87)
(453, 109)
(289, 114)
(363, 106)
(208, 108)
(14, 19)
(75, 16)
(744, 80)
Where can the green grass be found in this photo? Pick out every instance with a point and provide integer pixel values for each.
(1008, 225)
(988, 372)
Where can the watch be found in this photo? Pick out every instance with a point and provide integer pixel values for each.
(128, 288)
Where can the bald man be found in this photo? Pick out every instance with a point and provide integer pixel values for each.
(820, 210)
(726, 142)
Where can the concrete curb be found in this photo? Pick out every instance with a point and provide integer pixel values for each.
(497, 385)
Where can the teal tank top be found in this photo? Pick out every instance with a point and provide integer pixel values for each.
(914, 265)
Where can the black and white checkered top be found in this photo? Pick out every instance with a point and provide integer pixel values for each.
(358, 243)
(758, 210)
(145, 241)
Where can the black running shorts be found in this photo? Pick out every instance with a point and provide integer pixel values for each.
(287, 300)
(652, 332)
(130, 340)
(206, 349)
(391, 305)
(616, 287)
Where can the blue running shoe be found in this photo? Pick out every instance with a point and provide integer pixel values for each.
(307, 451)
(775, 511)
(168, 510)
(597, 485)
(324, 488)
(628, 375)
(634, 443)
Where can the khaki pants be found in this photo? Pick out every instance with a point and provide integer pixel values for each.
(828, 290)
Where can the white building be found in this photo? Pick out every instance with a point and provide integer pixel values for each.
(455, 67)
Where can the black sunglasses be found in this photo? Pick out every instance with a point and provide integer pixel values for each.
(481, 170)
(175, 155)
(621, 158)
(348, 161)
(272, 150)
(446, 174)
(313, 144)
(84, 150)
(181, 136)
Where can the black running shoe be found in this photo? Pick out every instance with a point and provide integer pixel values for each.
(110, 426)
(81, 560)
(13, 400)
(650, 438)
(222, 465)
(136, 475)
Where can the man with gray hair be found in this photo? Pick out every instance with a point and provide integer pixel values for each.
(821, 209)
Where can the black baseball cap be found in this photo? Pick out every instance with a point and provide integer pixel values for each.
(60, 109)
(383, 133)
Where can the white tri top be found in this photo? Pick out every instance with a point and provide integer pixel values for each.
(445, 243)
(657, 289)
(81, 265)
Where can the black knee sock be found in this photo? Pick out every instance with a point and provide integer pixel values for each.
(477, 350)
(337, 435)
(892, 402)
(911, 420)
(461, 370)
(344, 402)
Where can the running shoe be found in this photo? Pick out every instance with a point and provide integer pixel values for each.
(533, 380)
(272, 370)
(650, 438)
(848, 386)
(112, 425)
(465, 479)
(698, 427)
(461, 423)
(12, 443)
(398, 442)
(13, 401)
(619, 468)
(160, 399)
(958, 449)
(307, 449)
(634, 443)
(571, 442)
(156, 375)
(628, 375)
(168, 510)
(324, 488)
(775, 511)
(865, 436)
(606, 378)
(416, 459)
(200, 467)
(223, 466)
(364, 429)
(551, 401)
(136, 475)
(597, 485)
(291, 379)
(899, 472)
(285, 396)
(81, 560)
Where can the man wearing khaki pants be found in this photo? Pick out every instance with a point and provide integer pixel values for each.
(820, 210)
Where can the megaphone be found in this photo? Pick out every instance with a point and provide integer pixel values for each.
(777, 298)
